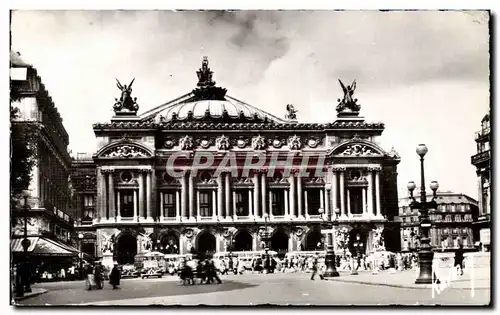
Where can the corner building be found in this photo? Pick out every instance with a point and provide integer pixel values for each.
(138, 205)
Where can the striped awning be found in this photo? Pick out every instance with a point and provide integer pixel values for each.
(41, 246)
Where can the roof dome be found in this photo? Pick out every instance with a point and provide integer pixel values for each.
(209, 103)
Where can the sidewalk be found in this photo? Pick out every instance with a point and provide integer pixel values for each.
(406, 279)
(34, 292)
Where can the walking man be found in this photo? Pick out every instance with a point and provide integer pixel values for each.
(315, 267)
(114, 277)
(459, 259)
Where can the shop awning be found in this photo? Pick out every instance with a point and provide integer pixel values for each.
(41, 246)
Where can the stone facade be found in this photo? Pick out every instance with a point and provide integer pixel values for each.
(141, 205)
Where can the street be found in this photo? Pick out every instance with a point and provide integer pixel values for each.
(255, 289)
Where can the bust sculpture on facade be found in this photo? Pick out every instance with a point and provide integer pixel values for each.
(292, 112)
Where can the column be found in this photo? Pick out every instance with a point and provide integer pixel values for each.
(177, 205)
(348, 203)
(263, 193)
(181, 244)
(327, 203)
(149, 214)
(334, 193)
(322, 199)
(363, 192)
(198, 216)
(369, 195)
(154, 196)
(256, 195)
(292, 195)
(290, 243)
(287, 201)
(306, 204)
(217, 242)
(214, 205)
(299, 197)
(101, 194)
(111, 196)
(228, 196)
(184, 196)
(141, 195)
(118, 214)
(480, 193)
(250, 204)
(162, 210)
(270, 201)
(342, 196)
(254, 242)
(191, 197)
(377, 193)
(220, 197)
(235, 217)
(136, 218)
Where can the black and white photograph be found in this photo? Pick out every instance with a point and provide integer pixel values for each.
(250, 158)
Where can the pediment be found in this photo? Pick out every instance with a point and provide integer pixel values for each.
(124, 149)
(357, 148)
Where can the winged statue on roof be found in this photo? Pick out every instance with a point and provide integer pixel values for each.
(126, 101)
(292, 112)
(348, 101)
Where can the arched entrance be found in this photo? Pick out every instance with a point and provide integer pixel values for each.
(169, 243)
(242, 241)
(312, 240)
(279, 243)
(126, 249)
(206, 243)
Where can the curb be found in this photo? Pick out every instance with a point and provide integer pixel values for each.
(42, 291)
(398, 285)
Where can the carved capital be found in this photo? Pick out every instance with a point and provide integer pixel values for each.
(339, 168)
(107, 171)
(374, 168)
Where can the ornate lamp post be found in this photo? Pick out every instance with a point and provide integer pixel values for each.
(265, 237)
(328, 223)
(26, 244)
(425, 253)
(358, 246)
(80, 239)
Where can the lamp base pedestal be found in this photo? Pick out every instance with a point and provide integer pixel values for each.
(426, 273)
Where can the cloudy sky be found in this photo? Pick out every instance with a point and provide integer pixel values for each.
(424, 74)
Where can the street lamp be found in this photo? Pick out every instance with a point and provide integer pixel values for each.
(26, 244)
(425, 253)
(80, 238)
(267, 263)
(331, 270)
(358, 245)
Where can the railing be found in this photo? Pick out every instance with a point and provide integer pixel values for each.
(480, 157)
(482, 133)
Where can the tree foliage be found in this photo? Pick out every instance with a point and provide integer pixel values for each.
(23, 156)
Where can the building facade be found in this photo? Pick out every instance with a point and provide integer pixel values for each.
(209, 173)
(482, 161)
(50, 216)
(451, 222)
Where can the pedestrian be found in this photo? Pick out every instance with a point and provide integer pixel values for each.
(315, 267)
(98, 275)
(89, 273)
(459, 259)
(212, 273)
(115, 276)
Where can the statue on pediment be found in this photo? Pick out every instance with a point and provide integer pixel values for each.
(292, 112)
(204, 74)
(348, 103)
(126, 103)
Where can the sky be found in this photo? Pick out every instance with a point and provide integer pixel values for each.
(425, 74)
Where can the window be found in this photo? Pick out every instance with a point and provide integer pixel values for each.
(314, 201)
(206, 203)
(169, 204)
(242, 202)
(127, 203)
(278, 201)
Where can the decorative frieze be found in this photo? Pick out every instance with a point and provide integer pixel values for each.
(126, 151)
(186, 143)
(358, 150)
(222, 143)
(259, 143)
(240, 142)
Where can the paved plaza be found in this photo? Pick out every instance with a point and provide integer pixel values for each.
(259, 289)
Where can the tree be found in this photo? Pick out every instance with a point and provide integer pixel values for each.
(23, 156)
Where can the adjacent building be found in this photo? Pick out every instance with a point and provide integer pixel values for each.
(452, 222)
(50, 217)
(140, 191)
(482, 161)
